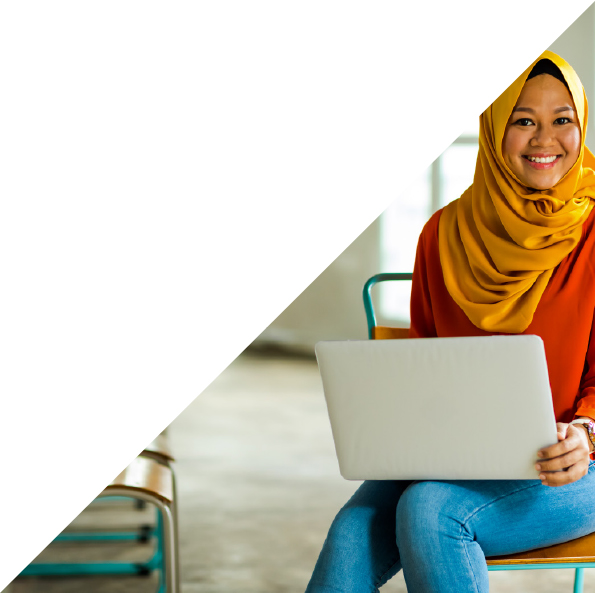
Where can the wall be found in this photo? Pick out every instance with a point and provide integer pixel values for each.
(577, 46)
(331, 307)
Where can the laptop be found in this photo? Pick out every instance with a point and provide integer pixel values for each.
(438, 408)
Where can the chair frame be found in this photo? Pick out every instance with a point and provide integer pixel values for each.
(502, 563)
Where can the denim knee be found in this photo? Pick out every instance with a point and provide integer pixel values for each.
(350, 527)
(353, 558)
(426, 513)
(436, 548)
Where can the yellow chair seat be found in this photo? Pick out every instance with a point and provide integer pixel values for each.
(576, 550)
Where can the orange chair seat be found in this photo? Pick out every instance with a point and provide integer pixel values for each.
(381, 332)
(577, 550)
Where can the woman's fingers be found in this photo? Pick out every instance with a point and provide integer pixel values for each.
(561, 461)
(569, 441)
(575, 472)
(567, 460)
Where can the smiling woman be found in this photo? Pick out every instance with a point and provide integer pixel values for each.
(514, 254)
(501, 241)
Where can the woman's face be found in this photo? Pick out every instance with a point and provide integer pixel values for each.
(543, 137)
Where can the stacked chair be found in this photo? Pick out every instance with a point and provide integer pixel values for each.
(148, 479)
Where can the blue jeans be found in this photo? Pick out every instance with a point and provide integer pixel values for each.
(444, 531)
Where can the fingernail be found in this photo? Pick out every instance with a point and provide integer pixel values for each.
(537, 466)
(542, 477)
(539, 454)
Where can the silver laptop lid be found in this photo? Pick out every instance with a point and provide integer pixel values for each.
(438, 408)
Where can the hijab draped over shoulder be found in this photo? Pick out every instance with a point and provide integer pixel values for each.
(500, 241)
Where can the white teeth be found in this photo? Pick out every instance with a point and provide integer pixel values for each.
(547, 159)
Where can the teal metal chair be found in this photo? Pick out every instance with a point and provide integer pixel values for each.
(578, 554)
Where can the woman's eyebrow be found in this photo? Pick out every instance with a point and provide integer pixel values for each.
(556, 110)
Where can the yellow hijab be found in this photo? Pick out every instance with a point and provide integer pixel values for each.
(500, 241)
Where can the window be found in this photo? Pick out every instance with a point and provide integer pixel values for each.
(400, 225)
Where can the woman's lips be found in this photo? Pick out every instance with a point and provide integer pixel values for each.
(542, 166)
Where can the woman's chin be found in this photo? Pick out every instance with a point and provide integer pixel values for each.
(541, 187)
(540, 184)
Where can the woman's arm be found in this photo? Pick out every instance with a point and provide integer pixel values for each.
(572, 452)
(585, 405)
(582, 423)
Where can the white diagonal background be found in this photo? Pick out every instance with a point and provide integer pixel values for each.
(162, 168)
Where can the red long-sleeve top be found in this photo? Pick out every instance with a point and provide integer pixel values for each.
(563, 319)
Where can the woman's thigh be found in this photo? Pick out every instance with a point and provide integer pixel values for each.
(446, 529)
(506, 516)
(514, 517)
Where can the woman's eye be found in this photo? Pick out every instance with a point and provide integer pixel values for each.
(524, 121)
(563, 120)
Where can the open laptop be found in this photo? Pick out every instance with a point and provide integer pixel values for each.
(438, 408)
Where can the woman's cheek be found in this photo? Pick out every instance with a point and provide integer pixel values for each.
(572, 143)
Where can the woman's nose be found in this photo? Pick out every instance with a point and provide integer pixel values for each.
(543, 136)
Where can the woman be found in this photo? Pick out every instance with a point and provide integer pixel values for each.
(514, 254)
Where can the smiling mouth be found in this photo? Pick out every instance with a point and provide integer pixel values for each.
(542, 162)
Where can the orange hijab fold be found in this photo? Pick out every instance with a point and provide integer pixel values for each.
(500, 241)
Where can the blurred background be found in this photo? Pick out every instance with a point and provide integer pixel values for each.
(258, 481)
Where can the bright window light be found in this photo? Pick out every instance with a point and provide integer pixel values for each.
(400, 225)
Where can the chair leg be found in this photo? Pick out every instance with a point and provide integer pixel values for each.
(579, 578)
(170, 537)
(166, 557)
(176, 543)
(169, 530)
(163, 569)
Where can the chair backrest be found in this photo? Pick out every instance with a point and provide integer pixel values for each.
(380, 332)
(159, 449)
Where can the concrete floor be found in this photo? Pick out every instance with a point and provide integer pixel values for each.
(258, 485)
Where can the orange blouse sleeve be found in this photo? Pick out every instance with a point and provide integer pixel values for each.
(585, 405)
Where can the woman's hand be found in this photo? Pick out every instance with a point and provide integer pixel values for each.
(570, 454)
